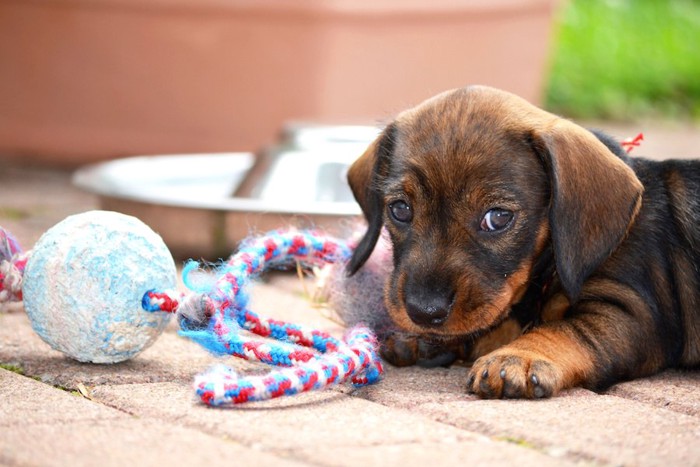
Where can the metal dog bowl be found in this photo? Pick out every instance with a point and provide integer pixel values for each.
(205, 204)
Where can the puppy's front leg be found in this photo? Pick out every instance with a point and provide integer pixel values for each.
(404, 349)
(600, 345)
(538, 364)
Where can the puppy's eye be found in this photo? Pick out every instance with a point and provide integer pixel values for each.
(401, 212)
(496, 219)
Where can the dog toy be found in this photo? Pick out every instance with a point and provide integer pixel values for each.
(82, 281)
(633, 142)
(100, 287)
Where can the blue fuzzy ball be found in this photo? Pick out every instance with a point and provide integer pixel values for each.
(84, 283)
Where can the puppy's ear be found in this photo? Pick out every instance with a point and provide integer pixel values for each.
(595, 198)
(365, 177)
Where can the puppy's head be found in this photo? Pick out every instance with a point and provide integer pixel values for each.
(472, 186)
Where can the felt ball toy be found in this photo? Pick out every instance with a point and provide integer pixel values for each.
(84, 283)
(100, 287)
(360, 298)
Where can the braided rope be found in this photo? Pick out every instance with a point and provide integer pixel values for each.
(221, 386)
(633, 142)
(215, 319)
(12, 264)
(311, 359)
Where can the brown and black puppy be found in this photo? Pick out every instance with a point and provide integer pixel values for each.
(502, 213)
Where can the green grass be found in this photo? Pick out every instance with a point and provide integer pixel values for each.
(13, 214)
(17, 369)
(627, 59)
(517, 441)
(12, 368)
(20, 371)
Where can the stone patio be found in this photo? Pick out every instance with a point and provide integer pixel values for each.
(54, 411)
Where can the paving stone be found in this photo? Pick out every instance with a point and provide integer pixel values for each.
(483, 451)
(449, 452)
(582, 425)
(123, 442)
(33, 199)
(326, 427)
(26, 401)
(43, 425)
(411, 387)
(311, 419)
(673, 389)
(170, 358)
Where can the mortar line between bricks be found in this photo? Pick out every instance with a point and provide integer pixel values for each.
(489, 434)
(486, 431)
(462, 434)
(282, 454)
(177, 422)
(186, 423)
(66, 392)
(134, 418)
(119, 409)
(656, 403)
(649, 402)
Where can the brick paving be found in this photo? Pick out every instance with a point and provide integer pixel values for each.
(54, 411)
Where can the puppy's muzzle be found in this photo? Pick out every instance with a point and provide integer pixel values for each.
(429, 307)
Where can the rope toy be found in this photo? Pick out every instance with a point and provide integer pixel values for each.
(632, 142)
(110, 253)
(12, 264)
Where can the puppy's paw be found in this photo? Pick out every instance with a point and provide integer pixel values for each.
(401, 349)
(514, 374)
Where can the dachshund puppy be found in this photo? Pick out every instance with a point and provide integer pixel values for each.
(504, 217)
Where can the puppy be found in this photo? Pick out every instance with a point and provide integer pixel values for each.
(504, 217)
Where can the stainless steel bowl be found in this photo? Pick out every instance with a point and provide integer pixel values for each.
(205, 204)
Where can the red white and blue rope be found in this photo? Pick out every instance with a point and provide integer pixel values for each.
(630, 143)
(216, 318)
(356, 361)
(12, 264)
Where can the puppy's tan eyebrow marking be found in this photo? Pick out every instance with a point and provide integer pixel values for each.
(421, 177)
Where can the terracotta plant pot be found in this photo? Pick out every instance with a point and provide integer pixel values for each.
(82, 80)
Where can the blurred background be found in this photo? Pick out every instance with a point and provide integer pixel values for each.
(626, 60)
(88, 79)
(85, 81)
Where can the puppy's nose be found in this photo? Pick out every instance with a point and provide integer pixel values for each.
(431, 310)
